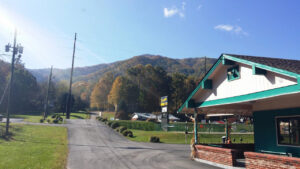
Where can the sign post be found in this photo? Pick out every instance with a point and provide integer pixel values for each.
(164, 113)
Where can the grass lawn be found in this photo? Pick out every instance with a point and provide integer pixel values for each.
(36, 118)
(43, 147)
(108, 115)
(77, 115)
(179, 138)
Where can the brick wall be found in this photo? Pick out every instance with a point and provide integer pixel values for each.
(268, 161)
(218, 155)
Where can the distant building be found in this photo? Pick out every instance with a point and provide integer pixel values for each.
(145, 116)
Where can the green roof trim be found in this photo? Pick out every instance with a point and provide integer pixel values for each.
(226, 59)
(261, 66)
(253, 96)
(185, 104)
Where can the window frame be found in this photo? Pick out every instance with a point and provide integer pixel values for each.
(277, 130)
(236, 67)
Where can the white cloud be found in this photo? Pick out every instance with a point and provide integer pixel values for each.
(169, 12)
(230, 28)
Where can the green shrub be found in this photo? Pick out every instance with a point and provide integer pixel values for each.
(122, 128)
(117, 129)
(154, 139)
(114, 125)
(98, 118)
(55, 121)
(41, 120)
(53, 116)
(127, 133)
(48, 120)
(109, 123)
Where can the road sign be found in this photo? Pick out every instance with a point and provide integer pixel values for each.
(164, 109)
(164, 101)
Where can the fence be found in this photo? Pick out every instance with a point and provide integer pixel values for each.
(181, 126)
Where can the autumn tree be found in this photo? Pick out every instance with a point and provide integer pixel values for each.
(99, 95)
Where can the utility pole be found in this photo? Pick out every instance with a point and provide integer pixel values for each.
(68, 107)
(47, 95)
(204, 65)
(16, 49)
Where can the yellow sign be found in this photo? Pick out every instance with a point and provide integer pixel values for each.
(164, 101)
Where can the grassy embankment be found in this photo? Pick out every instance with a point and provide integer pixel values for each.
(142, 132)
(34, 147)
(179, 138)
(34, 118)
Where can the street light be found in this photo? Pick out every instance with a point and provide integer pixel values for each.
(16, 49)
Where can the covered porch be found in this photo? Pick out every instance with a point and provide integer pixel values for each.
(267, 146)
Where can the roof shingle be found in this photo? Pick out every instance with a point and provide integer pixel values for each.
(284, 64)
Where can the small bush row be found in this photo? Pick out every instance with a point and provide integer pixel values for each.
(115, 125)
(154, 139)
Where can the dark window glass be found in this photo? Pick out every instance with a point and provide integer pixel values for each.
(233, 73)
(288, 130)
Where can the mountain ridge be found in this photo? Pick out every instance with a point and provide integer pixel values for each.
(188, 66)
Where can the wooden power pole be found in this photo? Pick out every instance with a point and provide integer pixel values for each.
(47, 95)
(68, 107)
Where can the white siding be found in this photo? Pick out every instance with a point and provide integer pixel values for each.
(248, 83)
(281, 102)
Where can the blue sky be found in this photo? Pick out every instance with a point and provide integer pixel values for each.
(112, 30)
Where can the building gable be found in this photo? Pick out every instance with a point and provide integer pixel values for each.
(236, 78)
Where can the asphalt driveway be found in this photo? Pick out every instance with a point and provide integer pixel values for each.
(93, 145)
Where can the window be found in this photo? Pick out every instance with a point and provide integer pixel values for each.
(288, 130)
(233, 73)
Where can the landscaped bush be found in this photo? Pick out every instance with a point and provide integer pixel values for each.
(114, 125)
(154, 139)
(98, 118)
(140, 125)
(122, 128)
(117, 129)
(127, 133)
(55, 121)
(48, 120)
(109, 123)
(53, 116)
(41, 120)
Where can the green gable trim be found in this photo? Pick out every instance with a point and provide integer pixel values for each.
(233, 73)
(258, 71)
(253, 96)
(264, 94)
(261, 66)
(185, 104)
(227, 62)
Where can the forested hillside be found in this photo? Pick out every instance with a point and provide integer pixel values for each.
(125, 86)
(188, 66)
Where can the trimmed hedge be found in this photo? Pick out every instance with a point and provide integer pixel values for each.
(140, 125)
(114, 125)
(127, 133)
(154, 139)
(180, 126)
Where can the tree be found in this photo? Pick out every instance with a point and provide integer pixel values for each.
(99, 95)
(115, 94)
